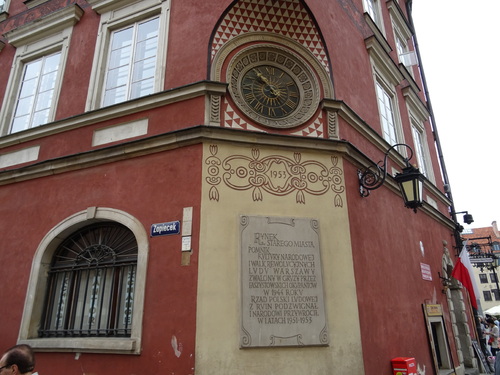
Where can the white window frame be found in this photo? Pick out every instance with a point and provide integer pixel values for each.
(4, 8)
(132, 62)
(33, 307)
(419, 147)
(34, 40)
(402, 36)
(114, 16)
(387, 74)
(372, 8)
(418, 115)
(390, 133)
(19, 110)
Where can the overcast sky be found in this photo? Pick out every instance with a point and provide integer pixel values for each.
(458, 42)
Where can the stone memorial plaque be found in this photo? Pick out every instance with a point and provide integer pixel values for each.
(281, 283)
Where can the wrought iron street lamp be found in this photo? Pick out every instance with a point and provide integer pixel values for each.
(410, 180)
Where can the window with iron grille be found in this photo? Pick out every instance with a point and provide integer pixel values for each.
(91, 284)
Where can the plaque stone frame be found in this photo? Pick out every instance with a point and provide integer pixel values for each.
(282, 298)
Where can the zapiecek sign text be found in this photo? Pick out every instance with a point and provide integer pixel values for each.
(163, 229)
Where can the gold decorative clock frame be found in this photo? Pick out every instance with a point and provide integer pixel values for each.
(273, 86)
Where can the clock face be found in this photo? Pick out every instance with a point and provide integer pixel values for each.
(273, 86)
(270, 91)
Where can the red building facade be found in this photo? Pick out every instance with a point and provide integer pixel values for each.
(136, 137)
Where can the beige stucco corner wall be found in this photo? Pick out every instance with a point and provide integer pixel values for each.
(218, 307)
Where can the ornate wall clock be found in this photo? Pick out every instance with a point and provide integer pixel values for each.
(273, 86)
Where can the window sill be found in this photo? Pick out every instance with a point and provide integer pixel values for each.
(86, 345)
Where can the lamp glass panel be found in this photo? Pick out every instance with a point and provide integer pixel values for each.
(411, 190)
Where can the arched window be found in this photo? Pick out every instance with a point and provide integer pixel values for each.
(91, 283)
(87, 285)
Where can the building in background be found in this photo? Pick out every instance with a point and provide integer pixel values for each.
(484, 250)
(180, 190)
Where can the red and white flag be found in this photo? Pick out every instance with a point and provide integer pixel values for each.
(463, 272)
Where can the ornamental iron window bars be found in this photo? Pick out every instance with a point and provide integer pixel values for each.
(91, 282)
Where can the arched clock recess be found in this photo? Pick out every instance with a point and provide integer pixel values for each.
(272, 81)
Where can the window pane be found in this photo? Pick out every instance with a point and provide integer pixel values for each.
(142, 88)
(117, 77)
(20, 123)
(120, 57)
(40, 118)
(116, 95)
(126, 300)
(28, 88)
(144, 69)
(51, 63)
(122, 38)
(32, 70)
(48, 81)
(146, 49)
(148, 29)
(24, 106)
(43, 101)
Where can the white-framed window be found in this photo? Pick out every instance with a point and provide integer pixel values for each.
(418, 115)
(132, 62)
(100, 255)
(130, 55)
(4, 8)
(33, 88)
(372, 7)
(401, 46)
(386, 78)
(419, 148)
(387, 116)
(402, 35)
(35, 101)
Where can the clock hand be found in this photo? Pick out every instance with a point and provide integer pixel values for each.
(261, 77)
(274, 90)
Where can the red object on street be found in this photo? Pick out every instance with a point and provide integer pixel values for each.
(404, 366)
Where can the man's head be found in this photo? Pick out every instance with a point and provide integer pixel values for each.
(19, 359)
